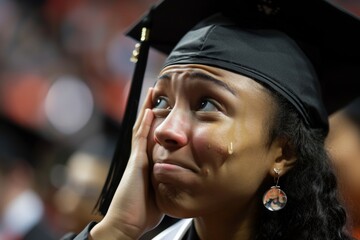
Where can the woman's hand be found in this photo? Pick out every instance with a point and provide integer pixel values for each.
(133, 209)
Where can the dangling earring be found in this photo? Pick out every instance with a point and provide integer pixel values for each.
(275, 199)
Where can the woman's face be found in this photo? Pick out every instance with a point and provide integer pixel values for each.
(208, 141)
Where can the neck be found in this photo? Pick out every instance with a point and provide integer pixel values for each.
(229, 223)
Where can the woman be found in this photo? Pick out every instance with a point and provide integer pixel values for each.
(236, 112)
(343, 144)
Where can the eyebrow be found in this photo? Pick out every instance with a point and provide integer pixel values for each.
(202, 76)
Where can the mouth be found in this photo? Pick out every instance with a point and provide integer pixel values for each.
(175, 173)
(172, 166)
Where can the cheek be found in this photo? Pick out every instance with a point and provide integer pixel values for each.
(210, 146)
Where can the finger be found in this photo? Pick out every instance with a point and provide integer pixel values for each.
(146, 104)
(141, 134)
(145, 125)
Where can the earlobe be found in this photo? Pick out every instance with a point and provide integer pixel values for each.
(283, 165)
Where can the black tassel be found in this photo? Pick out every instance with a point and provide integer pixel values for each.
(123, 147)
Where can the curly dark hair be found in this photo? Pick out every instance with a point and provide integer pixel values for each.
(313, 211)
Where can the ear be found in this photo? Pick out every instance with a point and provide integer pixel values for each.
(285, 159)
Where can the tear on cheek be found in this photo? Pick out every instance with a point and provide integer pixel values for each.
(222, 152)
(227, 150)
(230, 148)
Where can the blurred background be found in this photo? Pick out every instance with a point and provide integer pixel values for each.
(64, 80)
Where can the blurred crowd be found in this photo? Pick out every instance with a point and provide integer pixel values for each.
(64, 80)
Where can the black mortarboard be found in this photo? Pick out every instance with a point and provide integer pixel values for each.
(326, 34)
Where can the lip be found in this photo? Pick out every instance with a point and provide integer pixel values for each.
(170, 165)
(171, 175)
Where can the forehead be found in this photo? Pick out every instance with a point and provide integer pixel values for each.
(211, 75)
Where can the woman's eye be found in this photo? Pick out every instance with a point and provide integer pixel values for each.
(208, 105)
(161, 103)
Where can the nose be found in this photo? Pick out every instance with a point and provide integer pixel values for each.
(174, 131)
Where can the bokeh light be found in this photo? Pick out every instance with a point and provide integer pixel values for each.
(69, 104)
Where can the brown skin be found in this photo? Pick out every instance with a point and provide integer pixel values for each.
(187, 136)
(343, 144)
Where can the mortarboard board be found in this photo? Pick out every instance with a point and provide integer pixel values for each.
(324, 32)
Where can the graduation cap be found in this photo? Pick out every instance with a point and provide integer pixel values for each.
(256, 38)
